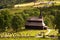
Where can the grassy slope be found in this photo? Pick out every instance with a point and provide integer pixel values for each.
(32, 32)
(35, 32)
(38, 4)
(28, 39)
(17, 10)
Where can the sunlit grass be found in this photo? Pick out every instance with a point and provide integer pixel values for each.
(28, 38)
(53, 32)
(35, 32)
(32, 32)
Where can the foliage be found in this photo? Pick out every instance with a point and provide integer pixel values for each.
(17, 22)
(57, 20)
(4, 19)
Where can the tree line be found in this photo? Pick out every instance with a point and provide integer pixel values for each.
(16, 21)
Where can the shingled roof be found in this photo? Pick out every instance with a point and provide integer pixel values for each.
(34, 24)
(34, 19)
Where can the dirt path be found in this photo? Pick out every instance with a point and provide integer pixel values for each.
(49, 30)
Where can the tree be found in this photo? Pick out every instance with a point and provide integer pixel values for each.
(16, 22)
(4, 19)
(57, 20)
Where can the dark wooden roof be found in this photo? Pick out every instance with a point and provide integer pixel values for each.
(34, 19)
(34, 24)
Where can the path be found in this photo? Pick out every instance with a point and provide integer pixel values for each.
(49, 30)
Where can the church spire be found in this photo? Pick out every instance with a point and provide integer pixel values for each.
(40, 16)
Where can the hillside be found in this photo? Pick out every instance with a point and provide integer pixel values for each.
(14, 15)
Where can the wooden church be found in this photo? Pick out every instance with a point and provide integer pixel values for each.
(36, 23)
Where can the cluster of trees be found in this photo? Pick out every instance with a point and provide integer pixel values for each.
(51, 17)
(8, 21)
(16, 21)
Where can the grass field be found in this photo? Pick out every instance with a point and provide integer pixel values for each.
(29, 33)
(21, 9)
(33, 33)
(39, 4)
(28, 39)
